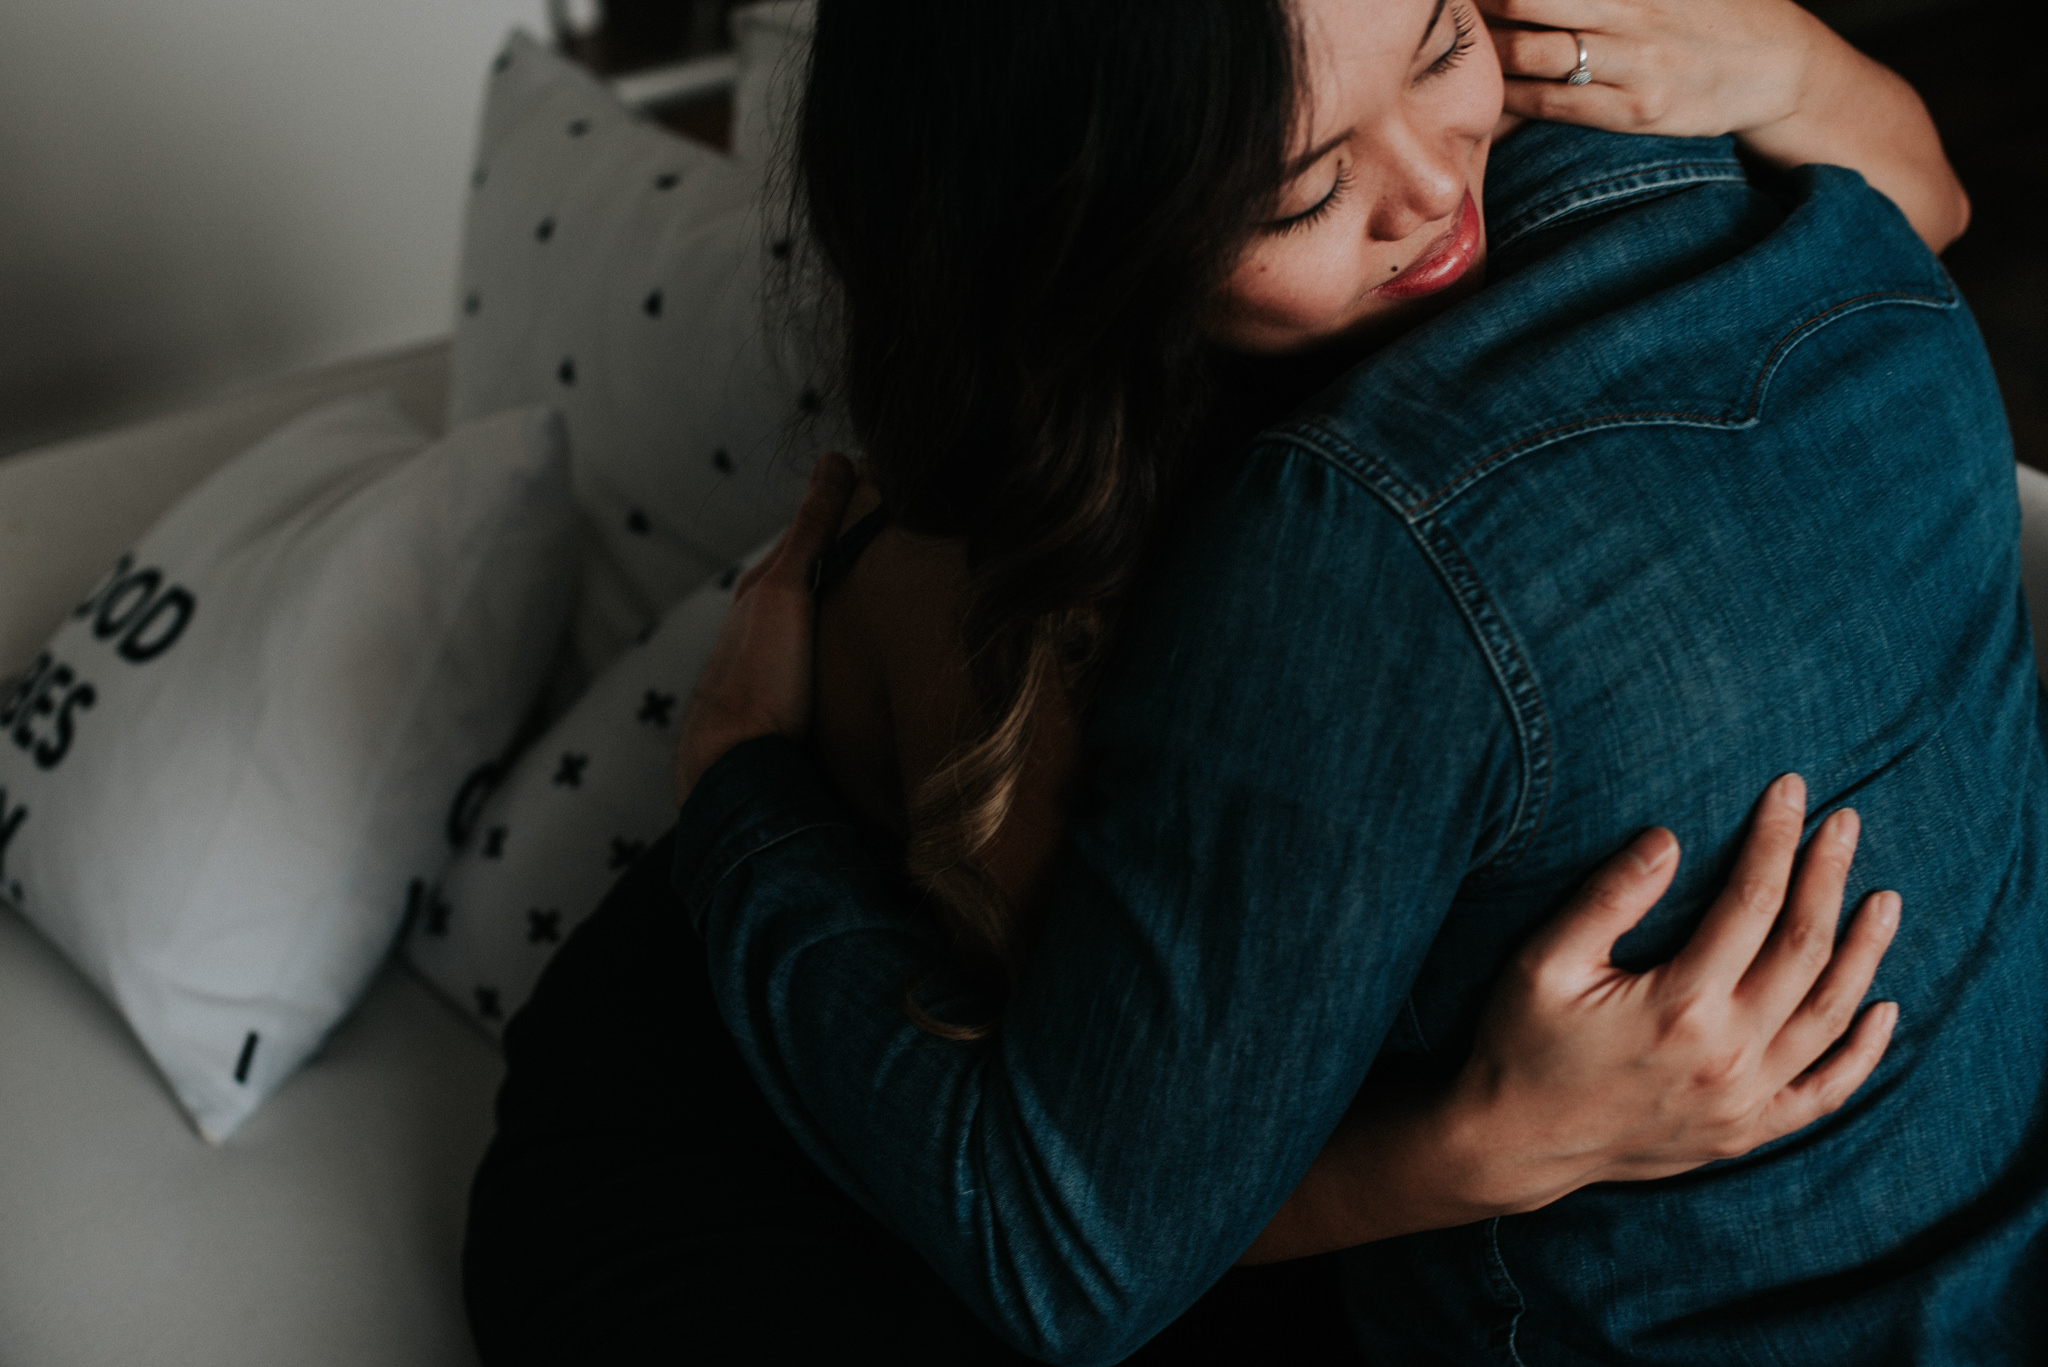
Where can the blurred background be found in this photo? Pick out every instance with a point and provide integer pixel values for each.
(197, 195)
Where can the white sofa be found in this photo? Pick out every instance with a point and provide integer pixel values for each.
(328, 1230)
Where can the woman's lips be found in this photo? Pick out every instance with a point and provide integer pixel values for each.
(1447, 258)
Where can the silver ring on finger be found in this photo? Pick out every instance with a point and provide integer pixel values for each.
(1581, 74)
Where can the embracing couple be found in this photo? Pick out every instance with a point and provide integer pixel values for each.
(1207, 787)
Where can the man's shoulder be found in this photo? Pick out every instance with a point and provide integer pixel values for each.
(1641, 282)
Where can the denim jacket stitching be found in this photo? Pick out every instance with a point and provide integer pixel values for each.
(1521, 696)
(1429, 504)
(1504, 1287)
(705, 890)
(1612, 192)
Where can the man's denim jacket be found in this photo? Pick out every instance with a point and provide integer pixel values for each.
(1710, 482)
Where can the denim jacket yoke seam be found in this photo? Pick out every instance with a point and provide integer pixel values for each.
(1747, 416)
(1421, 512)
(1505, 660)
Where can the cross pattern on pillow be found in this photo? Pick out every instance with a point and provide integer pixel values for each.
(577, 809)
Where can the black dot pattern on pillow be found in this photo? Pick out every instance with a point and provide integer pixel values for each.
(651, 305)
(569, 772)
(638, 523)
(721, 461)
(566, 371)
(544, 230)
(578, 127)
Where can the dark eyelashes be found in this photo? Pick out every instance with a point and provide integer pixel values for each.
(1461, 43)
(1308, 217)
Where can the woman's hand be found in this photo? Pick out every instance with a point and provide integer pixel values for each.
(758, 679)
(1789, 88)
(1600, 1074)
(1585, 1072)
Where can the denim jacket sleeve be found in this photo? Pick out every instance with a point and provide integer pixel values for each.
(1300, 753)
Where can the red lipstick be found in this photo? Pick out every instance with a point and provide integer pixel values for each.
(1445, 260)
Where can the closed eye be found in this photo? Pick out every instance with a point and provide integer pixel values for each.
(1309, 217)
(1461, 43)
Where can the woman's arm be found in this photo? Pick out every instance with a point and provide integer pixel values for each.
(1585, 1072)
(1076, 1200)
(1790, 89)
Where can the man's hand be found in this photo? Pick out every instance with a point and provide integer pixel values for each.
(758, 679)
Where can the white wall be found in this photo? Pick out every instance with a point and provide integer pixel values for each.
(196, 194)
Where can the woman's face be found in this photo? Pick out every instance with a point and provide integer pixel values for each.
(1379, 223)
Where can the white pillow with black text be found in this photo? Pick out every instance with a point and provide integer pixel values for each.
(218, 778)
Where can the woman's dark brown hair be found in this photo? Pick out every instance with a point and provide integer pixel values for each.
(1024, 210)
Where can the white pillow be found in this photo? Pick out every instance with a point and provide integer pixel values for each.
(617, 272)
(774, 42)
(229, 761)
(578, 807)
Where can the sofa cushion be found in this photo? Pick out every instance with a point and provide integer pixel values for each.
(223, 770)
(326, 1233)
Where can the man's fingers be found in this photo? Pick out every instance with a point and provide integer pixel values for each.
(817, 523)
(1803, 940)
(1823, 1090)
(1735, 927)
(1831, 1005)
(759, 567)
(1609, 903)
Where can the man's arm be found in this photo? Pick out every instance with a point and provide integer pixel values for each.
(1297, 755)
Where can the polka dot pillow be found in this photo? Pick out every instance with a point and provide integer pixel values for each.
(537, 855)
(620, 273)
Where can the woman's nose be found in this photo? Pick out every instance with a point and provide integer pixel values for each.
(1426, 183)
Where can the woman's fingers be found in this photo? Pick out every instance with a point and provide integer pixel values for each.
(1803, 940)
(1829, 1007)
(1823, 1090)
(1553, 54)
(1608, 904)
(1592, 106)
(1740, 919)
(1585, 15)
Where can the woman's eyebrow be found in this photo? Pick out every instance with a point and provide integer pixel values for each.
(1313, 155)
(1318, 152)
(1434, 15)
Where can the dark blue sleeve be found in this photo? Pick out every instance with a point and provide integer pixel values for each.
(1298, 754)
